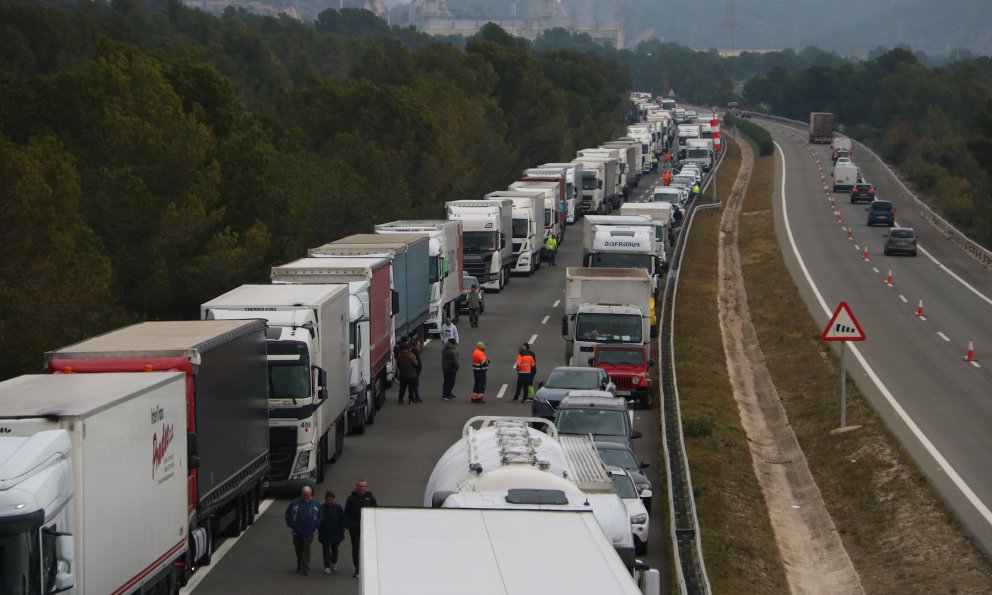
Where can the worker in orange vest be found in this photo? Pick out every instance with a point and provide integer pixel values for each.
(666, 178)
(480, 367)
(525, 373)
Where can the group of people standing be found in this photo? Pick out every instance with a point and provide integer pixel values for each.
(328, 521)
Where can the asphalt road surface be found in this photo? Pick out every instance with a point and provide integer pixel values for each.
(397, 454)
(912, 369)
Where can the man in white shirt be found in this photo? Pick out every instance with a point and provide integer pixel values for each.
(448, 331)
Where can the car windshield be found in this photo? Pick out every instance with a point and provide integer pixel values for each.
(620, 356)
(469, 282)
(598, 422)
(903, 234)
(881, 206)
(624, 486)
(621, 457)
(573, 379)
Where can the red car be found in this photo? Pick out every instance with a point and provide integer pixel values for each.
(627, 367)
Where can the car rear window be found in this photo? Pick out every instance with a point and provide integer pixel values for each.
(903, 234)
(881, 206)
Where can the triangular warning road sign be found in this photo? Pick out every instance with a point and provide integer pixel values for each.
(843, 326)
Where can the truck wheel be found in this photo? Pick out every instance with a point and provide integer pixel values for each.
(339, 432)
(208, 554)
(369, 407)
(379, 391)
(646, 401)
(360, 428)
(321, 461)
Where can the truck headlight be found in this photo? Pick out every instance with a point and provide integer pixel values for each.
(639, 519)
(302, 463)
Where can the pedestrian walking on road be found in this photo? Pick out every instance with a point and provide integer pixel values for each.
(360, 498)
(525, 367)
(533, 372)
(417, 347)
(406, 364)
(449, 368)
(330, 533)
(448, 331)
(668, 159)
(303, 517)
(654, 163)
(474, 306)
(480, 368)
(551, 248)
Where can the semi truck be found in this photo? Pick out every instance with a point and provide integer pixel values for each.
(409, 255)
(554, 204)
(93, 474)
(527, 228)
(227, 411)
(486, 231)
(445, 249)
(617, 193)
(821, 127)
(660, 214)
(633, 164)
(599, 184)
(307, 355)
(409, 551)
(371, 302)
(604, 306)
(642, 134)
(617, 241)
(573, 190)
(505, 463)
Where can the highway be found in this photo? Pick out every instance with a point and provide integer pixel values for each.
(911, 368)
(397, 454)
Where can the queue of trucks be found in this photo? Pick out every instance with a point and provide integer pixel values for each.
(199, 418)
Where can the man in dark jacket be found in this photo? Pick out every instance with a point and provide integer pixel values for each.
(331, 531)
(359, 499)
(449, 368)
(407, 367)
(303, 517)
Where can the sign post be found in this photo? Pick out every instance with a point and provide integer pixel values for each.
(843, 327)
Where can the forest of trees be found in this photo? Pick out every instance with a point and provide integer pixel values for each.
(153, 156)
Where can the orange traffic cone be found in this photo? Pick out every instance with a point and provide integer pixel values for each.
(888, 279)
(919, 309)
(850, 233)
(866, 253)
(838, 216)
(970, 356)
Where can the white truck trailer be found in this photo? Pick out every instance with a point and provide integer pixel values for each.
(604, 306)
(660, 214)
(93, 483)
(370, 324)
(599, 184)
(412, 551)
(504, 463)
(554, 205)
(445, 251)
(573, 190)
(307, 355)
(618, 192)
(527, 228)
(634, 162)
(699, 150)
(487, 252)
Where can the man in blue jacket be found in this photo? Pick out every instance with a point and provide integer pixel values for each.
(303, 517)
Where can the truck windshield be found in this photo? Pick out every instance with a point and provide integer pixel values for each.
(20, 554)
(620, 356)
(435, 270)
(479, 241)
(698, 154)
(617, 260)
(589, 181)
(354, 340)
(289, 370)
(520, 228)
(608, 328)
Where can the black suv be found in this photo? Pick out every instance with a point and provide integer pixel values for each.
(881, 211)
(862, 191)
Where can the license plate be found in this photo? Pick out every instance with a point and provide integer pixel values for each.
(623, 393)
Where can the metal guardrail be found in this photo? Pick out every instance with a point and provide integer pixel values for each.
(687, 548)
(970, 247)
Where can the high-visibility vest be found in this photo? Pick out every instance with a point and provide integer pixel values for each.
(551, 243)
(479, 360)
(525, 363)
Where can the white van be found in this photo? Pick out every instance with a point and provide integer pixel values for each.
(845, 176)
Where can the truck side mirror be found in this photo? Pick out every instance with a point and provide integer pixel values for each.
(192, 452)
(599, 184)
(650, 363)
(564, 326)
(591, 360)
(396, 302)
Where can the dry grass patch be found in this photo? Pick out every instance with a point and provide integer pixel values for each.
(899, 536)
(738, 544)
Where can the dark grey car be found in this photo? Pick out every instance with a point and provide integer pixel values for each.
(621, 456)
(603, 416)
(564, 379)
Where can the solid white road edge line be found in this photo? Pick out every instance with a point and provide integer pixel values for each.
(220, 552)
(952, 474)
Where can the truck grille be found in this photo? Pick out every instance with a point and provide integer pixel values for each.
(282, 450)
(478, 267)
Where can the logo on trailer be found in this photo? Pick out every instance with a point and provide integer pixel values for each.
(160, 448)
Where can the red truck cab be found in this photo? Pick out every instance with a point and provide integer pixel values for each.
(627, 366)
